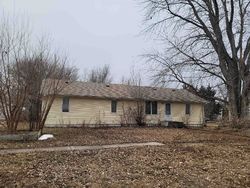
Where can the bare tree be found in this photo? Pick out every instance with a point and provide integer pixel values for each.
(24, 73)
(46, 74)
(135, 77)
(13, 89)
(207, 41)
(100, 75)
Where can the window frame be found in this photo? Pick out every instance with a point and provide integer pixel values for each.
(188, 109)
(65, 104)
(151, 107)
(113, 106)
(154, 107)
(168, 110)
(147, 107)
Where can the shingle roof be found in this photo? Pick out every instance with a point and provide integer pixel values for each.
(120, 91)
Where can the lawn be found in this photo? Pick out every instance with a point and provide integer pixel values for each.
(189, 158)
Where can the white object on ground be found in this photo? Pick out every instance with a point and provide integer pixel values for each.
(45, 137)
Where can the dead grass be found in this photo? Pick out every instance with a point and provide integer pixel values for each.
(190, 158)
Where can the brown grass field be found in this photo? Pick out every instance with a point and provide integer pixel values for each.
(189, 158)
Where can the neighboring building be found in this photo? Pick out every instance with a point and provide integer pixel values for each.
(85, 103)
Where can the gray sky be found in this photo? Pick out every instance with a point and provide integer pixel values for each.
(91, 32)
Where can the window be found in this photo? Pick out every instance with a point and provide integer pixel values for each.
(65, 105)
(113, 106)
(188, 106)
(148, 107)
(168, 109)
(151, 107)
(154, 107)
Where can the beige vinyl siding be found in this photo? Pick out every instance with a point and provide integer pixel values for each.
(98, 111)
(196, 113)
(82, 111)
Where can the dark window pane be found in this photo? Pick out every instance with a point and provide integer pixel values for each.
(168, 109)
(154, 107)
(187, 109)
(113, 106)
(148, 107)
(65, 105)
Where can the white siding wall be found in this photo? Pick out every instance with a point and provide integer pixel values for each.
(98, 111)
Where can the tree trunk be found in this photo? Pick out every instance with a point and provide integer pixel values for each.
(245, 97)
(238, 92)
(233, 105)
(234, 94)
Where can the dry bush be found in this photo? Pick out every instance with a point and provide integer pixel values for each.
(235, 122)
(126, 116)
(133, 115)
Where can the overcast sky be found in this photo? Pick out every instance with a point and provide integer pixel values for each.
(91, 32)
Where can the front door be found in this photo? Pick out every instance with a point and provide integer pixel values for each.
(168, 116)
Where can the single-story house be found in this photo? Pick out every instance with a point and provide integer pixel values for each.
(90, 104)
